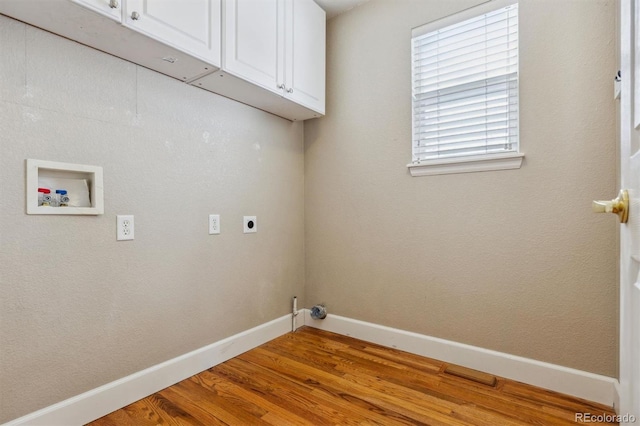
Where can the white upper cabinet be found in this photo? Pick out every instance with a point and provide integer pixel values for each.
(191, 26)
(278, 45)
(254, 41)
(305, 54)
(108, 8)
(177, 38)
(269, 54)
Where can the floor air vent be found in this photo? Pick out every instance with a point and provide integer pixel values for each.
(469, 374)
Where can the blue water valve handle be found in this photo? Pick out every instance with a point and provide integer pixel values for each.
(64, 198)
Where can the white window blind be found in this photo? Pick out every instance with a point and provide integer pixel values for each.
(465, 88)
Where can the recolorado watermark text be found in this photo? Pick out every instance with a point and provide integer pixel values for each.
(604, 418)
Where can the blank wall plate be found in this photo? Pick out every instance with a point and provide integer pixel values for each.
(124, 227)
(250, 224)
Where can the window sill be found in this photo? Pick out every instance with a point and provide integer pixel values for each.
(512, 160)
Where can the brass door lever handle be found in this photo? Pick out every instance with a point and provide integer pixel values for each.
(619, 206)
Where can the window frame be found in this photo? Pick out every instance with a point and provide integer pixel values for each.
(473, 163)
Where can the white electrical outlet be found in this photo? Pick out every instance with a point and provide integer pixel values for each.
(214, 224)
(250, 224)
(124, 227)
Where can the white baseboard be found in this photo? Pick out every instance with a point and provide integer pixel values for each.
(98, 402)
(616, 398)
(582, 384)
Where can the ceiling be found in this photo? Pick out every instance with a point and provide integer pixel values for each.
(336, 7)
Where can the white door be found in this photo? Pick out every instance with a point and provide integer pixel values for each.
(305, 54)
(108, 8)
(630, 232)
(191, 26)
(254, 41)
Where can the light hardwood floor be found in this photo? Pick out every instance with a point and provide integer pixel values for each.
(313, 377)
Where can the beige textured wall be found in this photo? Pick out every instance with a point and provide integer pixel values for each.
(509, 260)
(77, 308)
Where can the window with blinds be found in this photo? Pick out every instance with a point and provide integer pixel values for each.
(465, 88)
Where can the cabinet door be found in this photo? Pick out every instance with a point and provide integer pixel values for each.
(305, 54)
(191, 26)
(253, 41)
(108, 8)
